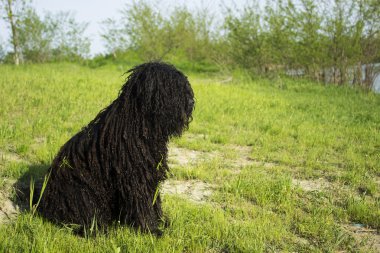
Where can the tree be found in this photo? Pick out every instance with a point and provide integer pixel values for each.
(307, 21)
(54, 37)
(243, 35)
(143, 25)
(331, 41)
(2, 51)
(69, 42)
(142, 29)
(114, 36)
(13, 11)
(35, 37)
(188, 34)
(368, 30)
(279, 35)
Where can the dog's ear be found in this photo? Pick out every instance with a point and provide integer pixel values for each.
(140, 88)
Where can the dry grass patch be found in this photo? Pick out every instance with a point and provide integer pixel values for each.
(234, 156)
(8, 209)
(193, 190)
(366, 236)
(187, 157)
(6, 156)
(317, 185)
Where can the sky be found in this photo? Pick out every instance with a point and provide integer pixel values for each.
(95, 11)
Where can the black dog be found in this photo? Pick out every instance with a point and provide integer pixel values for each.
(110, 171)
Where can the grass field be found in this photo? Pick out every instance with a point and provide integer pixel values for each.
(280, 165)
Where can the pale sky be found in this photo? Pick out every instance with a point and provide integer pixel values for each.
(95, 11)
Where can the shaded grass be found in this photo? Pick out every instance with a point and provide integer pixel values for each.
(306, 130)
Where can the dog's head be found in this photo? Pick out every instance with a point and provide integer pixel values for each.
(160, 98)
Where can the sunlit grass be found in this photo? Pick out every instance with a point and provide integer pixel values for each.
(304, 130)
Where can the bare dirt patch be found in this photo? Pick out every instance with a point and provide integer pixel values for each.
(369, 237)
(194, 190)
(40, 140)
(317, 185)
(8, 209)
(195, 136)
(377, 181)
(10, 157)
(244, 157)
(235, 156)
(186, 157)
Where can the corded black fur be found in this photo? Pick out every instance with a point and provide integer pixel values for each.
(110, 170)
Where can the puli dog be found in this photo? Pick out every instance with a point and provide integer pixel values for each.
(110, 171)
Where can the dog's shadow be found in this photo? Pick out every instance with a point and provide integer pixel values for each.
(29, 186)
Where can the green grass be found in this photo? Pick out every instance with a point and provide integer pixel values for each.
(304, 130)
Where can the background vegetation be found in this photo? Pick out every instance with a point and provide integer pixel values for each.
(330, 41)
